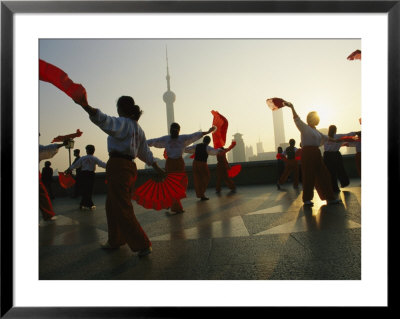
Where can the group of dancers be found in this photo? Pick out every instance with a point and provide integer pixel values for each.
(317, 172)
(127, 141)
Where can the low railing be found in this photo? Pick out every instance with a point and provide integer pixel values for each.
(252, 173)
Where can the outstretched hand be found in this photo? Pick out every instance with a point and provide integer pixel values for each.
(161, 172)
(81, 98)
(64, 143)
(212, 129)
(288, 104)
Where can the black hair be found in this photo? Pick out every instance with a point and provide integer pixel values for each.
(292, 142)
(174, 126)
(332, 130)
(127, 108)
(90, 149)
(280, 149)
(206, 139)
(47, 163)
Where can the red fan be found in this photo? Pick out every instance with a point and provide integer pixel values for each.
(159, 194)
(219, 135)
(275, 103)
(356, 55)
(57, 77)
(62, 138)
(350, 139)
(234, 170)
(298, 155)
(280, 156)
(165, 153)
(66, 180)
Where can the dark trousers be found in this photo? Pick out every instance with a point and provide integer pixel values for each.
(334, 163)
(44, 202)
(280, 167)
(315, 175)
(87, 185)
(222, 175)
(77, 186)
(123, 226)
(47, 184)
(290, 167)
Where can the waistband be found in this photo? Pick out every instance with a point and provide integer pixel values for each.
(120, 155)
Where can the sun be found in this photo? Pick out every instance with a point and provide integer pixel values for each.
(325, 113)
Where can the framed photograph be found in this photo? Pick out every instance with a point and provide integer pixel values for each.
(254, 248)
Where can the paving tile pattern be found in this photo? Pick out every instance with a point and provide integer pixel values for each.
(259, 233)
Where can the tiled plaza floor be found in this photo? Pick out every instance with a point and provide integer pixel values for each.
(257, 233)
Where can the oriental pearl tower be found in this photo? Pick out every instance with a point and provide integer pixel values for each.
(169, 99)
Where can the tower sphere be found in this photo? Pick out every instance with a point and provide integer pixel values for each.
(169, 97)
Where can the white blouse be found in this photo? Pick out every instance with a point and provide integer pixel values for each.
(330, 146)
(88, 163)
(174, 146)
(210, 150)
(125, 136)
(310, 136)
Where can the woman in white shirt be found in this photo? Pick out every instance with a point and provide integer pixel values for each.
(314, 172)
(87, 164)
(334, 161)
(175, 145)
(126, 141)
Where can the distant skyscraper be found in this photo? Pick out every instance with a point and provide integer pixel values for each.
(238, 152)
(249, 152)
(230, 157)
(260, 148)
(169, 99)
(279, 129)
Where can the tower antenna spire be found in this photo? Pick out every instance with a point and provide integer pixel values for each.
(169, 96)
(168, 77)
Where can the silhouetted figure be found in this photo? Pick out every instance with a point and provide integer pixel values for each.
(47, 178)
(175, 145)
(87, 164)
(222, 173)
(77, 186)
(291, 166)
(314, 172)
(280, 162)
(357, 145)
(334, 161)
(201, 172)
(45, 205)
(126, 141)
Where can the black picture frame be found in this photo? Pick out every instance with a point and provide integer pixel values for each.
(9, 8)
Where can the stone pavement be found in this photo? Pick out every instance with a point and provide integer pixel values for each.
(257, 233)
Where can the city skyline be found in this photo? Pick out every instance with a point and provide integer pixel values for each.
(235, 80)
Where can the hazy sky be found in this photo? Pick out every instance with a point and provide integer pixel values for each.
(233, 77)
